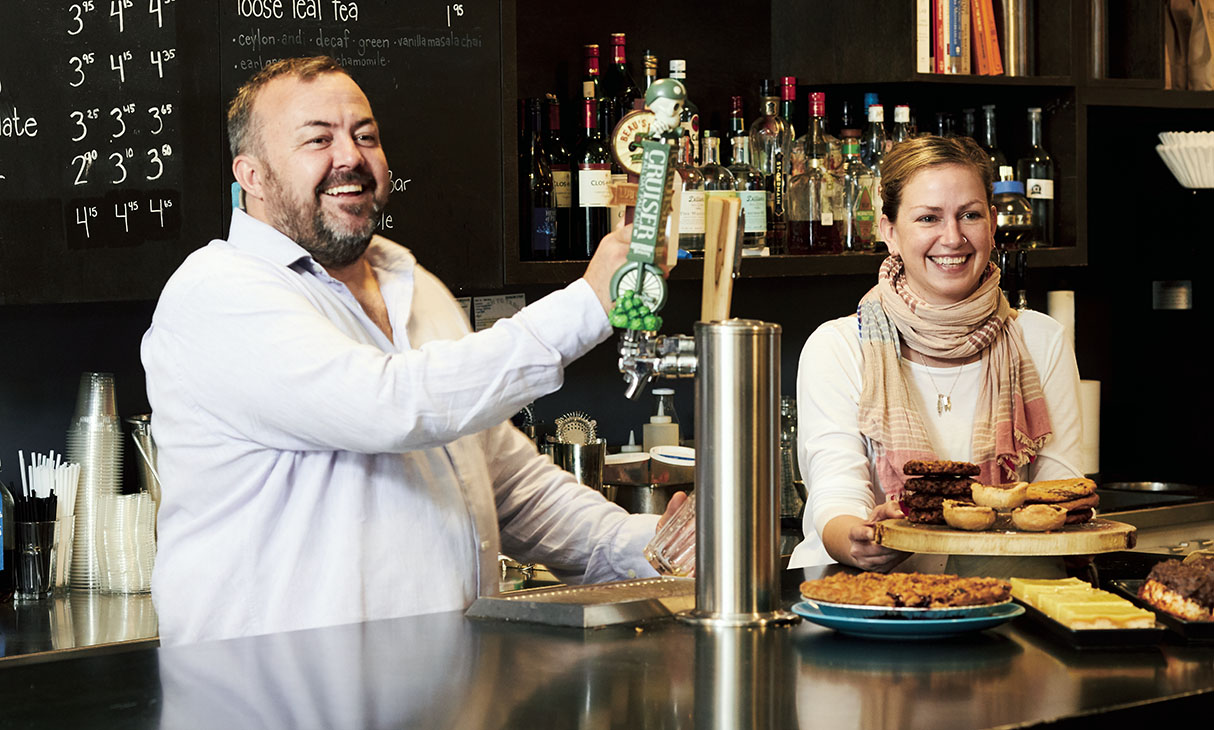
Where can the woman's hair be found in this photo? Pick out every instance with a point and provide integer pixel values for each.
(243, 134)
(910, 156)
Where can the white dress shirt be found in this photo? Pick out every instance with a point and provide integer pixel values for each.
(316, 472)
(837, 461)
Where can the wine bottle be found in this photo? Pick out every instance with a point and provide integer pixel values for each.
(770, 146)
(592, 217)
(537, 214)
(562, 178)
(969, 126)
(1036, 171)
(651, 69)
(999, 167)
(618, 83)
(752, 192)
(609, 113)
(591, 78)
(737, 125)
(692, 206)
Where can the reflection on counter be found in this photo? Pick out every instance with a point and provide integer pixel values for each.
(74, 620)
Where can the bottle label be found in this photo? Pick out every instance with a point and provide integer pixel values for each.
(562, 186)
(618, 212)
(754, 208)
(1036, 187)
(692, 212)
(543, 232)
(593, 186)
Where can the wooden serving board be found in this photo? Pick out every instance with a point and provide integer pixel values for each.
(1094, 536)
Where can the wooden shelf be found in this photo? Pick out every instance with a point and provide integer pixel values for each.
(1126, 96)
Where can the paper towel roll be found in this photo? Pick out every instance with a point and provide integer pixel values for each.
(1089, 407)
(1060, 305)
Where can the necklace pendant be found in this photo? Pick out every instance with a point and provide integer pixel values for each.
(944, 404)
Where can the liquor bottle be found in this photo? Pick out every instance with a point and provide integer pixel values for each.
(901, 129)
(874, 144)
(969, 126)
(788, 103)
(989, 142)
(1036, 171)
(690, 119)
(858, 214)
(591, 78)
(811, 228)
(691, 202)
(846, 121)
(592, 219)
(537, 214)
(873, 141)
(8, 538)
(562, 178)
(618, 84)
(770, 146)
(651, 69)
(717, 178)
(946, 124)
(752, 191)
(737, 125)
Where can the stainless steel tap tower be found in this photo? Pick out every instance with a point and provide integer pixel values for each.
(736, 364)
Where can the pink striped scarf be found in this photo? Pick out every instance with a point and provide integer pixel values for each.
(1011, 423)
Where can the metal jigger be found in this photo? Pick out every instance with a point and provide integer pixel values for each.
(737, 425)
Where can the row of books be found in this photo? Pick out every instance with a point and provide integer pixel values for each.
(957, 37)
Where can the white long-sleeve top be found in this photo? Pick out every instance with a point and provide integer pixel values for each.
(837, 462)
(316, 473)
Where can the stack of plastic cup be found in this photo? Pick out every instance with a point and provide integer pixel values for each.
(126, 543)
(94, 441)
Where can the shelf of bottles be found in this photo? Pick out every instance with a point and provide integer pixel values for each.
(808, 175)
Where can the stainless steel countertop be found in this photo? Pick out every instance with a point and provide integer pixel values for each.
(75, 621)
(449, 671)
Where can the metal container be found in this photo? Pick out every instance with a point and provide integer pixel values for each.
(583, 461)
(1015, 43)
(737, 435)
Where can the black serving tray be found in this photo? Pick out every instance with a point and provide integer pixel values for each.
(1095, 638)
(1192, 631)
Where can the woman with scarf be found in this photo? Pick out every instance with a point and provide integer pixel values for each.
(934, 365)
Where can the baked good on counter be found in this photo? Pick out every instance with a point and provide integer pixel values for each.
(1183, 589)
(1077, 605)
(907, 590)
(1002, 497)
(1038, 517)
(967, 516)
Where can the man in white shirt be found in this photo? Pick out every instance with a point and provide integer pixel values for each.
(333, 443)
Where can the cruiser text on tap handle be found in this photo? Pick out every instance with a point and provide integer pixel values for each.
(639, 287)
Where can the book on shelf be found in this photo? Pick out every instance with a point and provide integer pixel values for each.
(955, 37)
(984, 39)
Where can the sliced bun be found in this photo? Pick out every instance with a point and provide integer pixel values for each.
(966, 516)
(1060, 490)
(1038, 517)
(1000, 496)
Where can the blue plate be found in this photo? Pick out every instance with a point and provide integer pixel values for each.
(882, 628)
(854, 610)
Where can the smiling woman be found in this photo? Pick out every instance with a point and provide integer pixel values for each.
(935, 365)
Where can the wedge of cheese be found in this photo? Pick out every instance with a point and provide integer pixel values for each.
(1028, 590)
(1102, 615)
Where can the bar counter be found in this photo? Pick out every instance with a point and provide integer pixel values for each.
(449, 671)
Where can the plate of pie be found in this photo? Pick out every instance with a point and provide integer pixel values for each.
(921, 628)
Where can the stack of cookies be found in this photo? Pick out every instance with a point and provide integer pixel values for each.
(930, 484)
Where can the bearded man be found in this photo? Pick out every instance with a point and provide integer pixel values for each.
(334, 445)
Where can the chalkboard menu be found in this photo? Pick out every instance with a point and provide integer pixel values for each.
(113, 156)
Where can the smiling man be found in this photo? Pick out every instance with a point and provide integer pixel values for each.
(333, 442)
